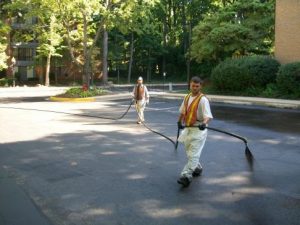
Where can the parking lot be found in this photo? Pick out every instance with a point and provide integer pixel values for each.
(72, 169)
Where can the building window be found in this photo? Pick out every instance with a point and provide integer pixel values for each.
(24, 54)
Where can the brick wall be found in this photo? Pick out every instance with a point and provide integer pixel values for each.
(287, 31)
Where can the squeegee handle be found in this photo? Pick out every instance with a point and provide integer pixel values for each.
(228, 133)
(224, 132)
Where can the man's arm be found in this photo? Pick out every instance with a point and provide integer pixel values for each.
(206, 120)
(179, 122)
(133, 93)
(147, 97)
(206, 112)
(180, 118)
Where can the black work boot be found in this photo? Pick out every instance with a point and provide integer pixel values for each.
(184, 181)
(197, 172)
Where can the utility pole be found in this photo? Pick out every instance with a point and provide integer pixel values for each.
(13, 64)
(164, 75)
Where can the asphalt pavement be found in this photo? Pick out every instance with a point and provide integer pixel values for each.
(61, 169)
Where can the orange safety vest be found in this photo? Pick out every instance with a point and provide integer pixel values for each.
(190, 116)
(139, 92)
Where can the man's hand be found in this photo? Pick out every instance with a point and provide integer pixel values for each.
(179, 125)
(202, 126)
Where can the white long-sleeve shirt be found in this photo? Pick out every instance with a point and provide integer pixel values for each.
(145, 97)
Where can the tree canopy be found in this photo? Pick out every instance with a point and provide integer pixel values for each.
(125, 38)
(241, 28)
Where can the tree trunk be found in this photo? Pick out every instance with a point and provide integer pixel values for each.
(184, 29)
(104, 59)
(105, 49)
(86, 74)
(118, 70)
(188, 56)
(131, 58)
(149, 67)
(164, 45)
(74, 60)
(47, 80)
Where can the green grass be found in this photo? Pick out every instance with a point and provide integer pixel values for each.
(80, 93)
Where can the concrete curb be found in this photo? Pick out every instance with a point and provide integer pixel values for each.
(269, 102)
(23, 92)
(237, 100)
(58, 99)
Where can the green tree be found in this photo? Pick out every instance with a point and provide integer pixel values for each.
(50, 44)
(45, 30)
(241, 28)
(176, 20)
(143, 25)
(83, 26)
(136, 19)
(4, 31)
(3, 44)
(95, 18)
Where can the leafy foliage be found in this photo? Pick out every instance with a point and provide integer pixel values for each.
(80, 93)
(3, 42)
(245, 73)
(288, 79)
(262, 69)
(4, 82)
(162, 31)
(241, 28)
(230, 75)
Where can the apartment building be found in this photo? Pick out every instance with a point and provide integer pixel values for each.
(287, 31)
(23, 53)
(23, 63)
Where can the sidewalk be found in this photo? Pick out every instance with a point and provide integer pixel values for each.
(270, 102)
(16, 207)
(42, 91)
(19, 92)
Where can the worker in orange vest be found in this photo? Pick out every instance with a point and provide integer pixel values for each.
(194, 111)
(141, 96)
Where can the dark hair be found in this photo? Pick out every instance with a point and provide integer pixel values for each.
(196, 80)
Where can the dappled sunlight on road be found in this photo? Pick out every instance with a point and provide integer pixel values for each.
(271, 141)
(232, 179)
(82, 170)
(48, 119)
(222, 137)
(111, 153)
(252, 190)
(97, 212)
(136, 176)
(238, 194)
(153, 208)
(158, 210)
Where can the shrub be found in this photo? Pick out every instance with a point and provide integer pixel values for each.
(3, 82)
(245, 74)
(80, 93)
(288, 79)
(230, 76)
(262, 69)
(271, 91)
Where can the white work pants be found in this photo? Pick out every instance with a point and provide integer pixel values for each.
(140, 107)
(193, 140)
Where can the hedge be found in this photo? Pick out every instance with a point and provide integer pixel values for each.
(240, 74)
(288, 79)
